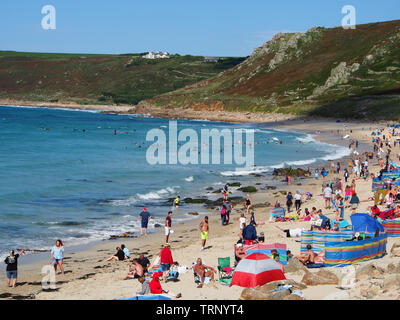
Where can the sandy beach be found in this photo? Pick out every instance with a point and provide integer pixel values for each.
(89, 277)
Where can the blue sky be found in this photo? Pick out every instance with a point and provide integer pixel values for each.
(217, 28)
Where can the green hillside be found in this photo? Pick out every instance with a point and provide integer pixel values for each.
(99, 79)
(326, 72)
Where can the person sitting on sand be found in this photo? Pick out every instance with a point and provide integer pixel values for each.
(135, 270)
(239, 253)
(275, 256)
(203, 271)
(261, 238)
(126, 251)
(145, 287)
(249, 234)
(308, 258)
(155, 286)
(289, 255)
(144, 262)
(119, 256)
(166, 260)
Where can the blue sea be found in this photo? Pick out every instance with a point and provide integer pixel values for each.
(82, 176)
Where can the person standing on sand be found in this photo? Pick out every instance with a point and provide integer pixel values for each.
(327, 197)
(297, 200)
(248, 203)
(168, 224)
(204, 232)
(12, 267)
(57, 256)
(289, 201)
(144, 217)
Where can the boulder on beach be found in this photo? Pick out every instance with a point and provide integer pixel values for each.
(248, 189)
(194, 201)
(290, 172)
(395, 251)
(264, 292)
(369, 271)
(295, 266)
(320, 277)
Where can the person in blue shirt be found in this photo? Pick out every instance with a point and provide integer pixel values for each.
(57, 256)
(126, 251)
(249, 234)
(144, 217)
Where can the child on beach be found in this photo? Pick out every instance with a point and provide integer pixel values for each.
(242, 220)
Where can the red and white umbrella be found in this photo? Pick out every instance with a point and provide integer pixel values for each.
(256, 269)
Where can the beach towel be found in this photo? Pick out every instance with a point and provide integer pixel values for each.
(152, 297)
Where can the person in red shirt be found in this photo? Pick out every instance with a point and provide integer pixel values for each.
(155, 285)
(166, 260)
(375, 210)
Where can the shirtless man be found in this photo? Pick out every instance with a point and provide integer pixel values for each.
(309, 257)
(204, 232)
(136, 272)
(201, 271)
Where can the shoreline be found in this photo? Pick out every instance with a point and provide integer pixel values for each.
(184, 231)
(35, 257)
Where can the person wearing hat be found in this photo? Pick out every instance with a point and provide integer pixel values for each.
(261, 238)
(144, 217)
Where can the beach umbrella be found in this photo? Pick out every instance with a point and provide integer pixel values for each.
(256, 269)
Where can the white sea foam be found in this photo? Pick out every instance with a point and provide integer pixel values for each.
(153, 195)
(189, 179)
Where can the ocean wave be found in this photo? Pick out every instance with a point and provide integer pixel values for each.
(153, 195)
(189, 179)
(338, 153)
(60, 223)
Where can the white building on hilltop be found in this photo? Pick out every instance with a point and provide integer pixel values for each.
(156, 55)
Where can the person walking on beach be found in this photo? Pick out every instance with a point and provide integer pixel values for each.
(168, 224)
(204, 232)
(57, 256)
(297, 202)
(327, 197)
(289, 201)
(144, 217)
(346, 175)
(12, 267)
(248, 203)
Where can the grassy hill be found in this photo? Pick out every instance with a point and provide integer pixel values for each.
(326, 71)
(99, 79)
